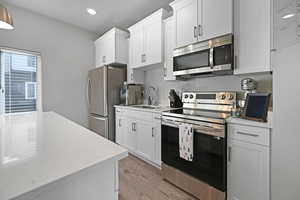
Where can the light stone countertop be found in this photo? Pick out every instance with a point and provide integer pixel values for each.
(240, 121)
(40, 148)
(159, 109)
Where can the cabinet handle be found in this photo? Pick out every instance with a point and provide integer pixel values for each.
(120, 123)
(195, 31)
(132, 127)
(158, 118)
(247, 134)
(200, 30)
(142, 58)
(235, 61)
(165, 74)
(152, 132)
(229, 154)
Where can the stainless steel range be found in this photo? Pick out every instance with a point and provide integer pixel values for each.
(205, 175)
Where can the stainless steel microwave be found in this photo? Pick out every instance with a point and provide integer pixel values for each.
(209, 58)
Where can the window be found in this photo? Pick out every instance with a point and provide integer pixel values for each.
(19, 74)
(30, 90)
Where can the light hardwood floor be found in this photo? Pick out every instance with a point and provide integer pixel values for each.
(141, 181)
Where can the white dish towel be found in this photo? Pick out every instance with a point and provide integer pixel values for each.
(186, 142)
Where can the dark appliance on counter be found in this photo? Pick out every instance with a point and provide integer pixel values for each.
(175, 101)
(256, 106)
(206, 174)
(208, 58)
(132, 94)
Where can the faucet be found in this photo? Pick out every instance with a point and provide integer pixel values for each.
(150, 98)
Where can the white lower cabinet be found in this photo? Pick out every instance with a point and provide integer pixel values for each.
(248, 163)
(129, 135)
(145, 140)
(140, 133)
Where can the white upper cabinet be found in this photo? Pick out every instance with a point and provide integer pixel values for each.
(186, 22)
(216, 18)
(169, 47)
(112, 48)
(198, 20)
(146, 40)
(134, 75)
(252, 36)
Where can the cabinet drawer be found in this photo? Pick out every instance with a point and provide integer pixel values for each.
(139, 115)
(119, 111)
(157, 117)
(250, 134)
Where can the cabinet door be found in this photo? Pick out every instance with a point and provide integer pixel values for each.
(137, 48)
(133, 76)
(153, 42)
(169, 47)
(157, 138)
(99, 52)
(145, 140)
(120, 129)
(186, 22)
(252, 36)
(216, 23)
(248, 171)
(129, 136)
(109, 48)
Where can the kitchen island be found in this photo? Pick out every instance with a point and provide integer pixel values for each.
(44, 156)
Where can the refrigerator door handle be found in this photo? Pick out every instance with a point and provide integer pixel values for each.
(100, 118)
(88, 85)
(105, 91)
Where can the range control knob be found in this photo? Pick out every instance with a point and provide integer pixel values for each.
(223, 96)
(231, 97)
(191, 96)
(186, 96)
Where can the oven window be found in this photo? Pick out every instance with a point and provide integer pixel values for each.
(209, 164)
(191, 61)
(223, 55)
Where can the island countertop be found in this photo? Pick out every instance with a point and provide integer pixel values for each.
(40, 148)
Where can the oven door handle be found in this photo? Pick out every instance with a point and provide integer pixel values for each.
(208, 130)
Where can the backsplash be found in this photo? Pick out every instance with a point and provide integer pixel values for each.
(154, 77)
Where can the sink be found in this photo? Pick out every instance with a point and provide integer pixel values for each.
(146, 106)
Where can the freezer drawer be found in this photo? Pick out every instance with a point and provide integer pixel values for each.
(99, 125)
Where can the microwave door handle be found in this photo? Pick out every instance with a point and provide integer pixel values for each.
(211, 57)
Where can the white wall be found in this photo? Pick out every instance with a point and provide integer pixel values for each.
(67, 55)
(222, 83)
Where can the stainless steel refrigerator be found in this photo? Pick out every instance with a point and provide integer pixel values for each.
(104, 85)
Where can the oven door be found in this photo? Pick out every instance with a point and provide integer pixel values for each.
(209, 162)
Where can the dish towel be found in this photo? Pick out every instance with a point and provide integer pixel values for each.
(186, 142)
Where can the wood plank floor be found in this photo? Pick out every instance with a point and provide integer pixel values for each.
(141, 181)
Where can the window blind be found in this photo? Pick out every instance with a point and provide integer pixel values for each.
(20, 72)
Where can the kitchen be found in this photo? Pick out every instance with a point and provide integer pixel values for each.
(212, 68)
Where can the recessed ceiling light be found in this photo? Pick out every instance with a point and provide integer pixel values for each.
(91, 11)
(287, 16)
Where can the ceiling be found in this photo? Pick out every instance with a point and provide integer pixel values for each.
(119, 13)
